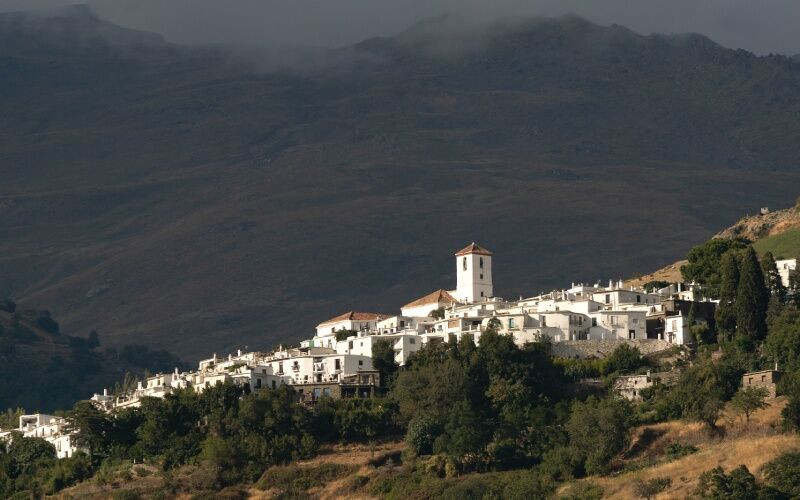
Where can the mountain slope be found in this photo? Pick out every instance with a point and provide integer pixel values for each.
(44, 369)
(183, 199)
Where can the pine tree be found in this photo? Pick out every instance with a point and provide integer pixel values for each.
(729, 281)
(793, 293)
(751, 298)
(772, 278)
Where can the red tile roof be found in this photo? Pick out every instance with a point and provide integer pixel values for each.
(355, 316)
(436, 297)
(473, 248)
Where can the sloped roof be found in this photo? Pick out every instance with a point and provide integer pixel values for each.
(473, 248)
(432, 298)
(355, 316)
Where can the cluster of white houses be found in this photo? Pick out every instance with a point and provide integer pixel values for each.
(337, 360)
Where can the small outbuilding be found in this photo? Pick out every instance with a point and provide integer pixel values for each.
(768, 379)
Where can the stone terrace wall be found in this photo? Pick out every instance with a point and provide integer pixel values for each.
(602, 348)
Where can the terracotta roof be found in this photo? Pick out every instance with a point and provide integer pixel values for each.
(355, 316)
(432, 298)
(473, 248)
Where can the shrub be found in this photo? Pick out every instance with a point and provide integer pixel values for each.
(783, 474)
(421, 433)
(583, 491)
(739, 484)
(649, 489)
(293, 480)
(675, 451)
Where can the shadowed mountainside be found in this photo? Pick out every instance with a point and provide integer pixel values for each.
(179, 197)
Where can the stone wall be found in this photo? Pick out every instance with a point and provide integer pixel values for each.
(602, 348)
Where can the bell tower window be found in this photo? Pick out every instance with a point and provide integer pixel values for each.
(464, 263)
(480, 262)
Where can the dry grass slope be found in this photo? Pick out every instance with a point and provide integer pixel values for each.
(752, 445)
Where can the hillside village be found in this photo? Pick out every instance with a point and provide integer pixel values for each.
(337, 361)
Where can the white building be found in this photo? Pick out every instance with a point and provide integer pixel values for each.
(473, 274)
(615, 325)
(52, 429)
(424, 306)
(786, 268)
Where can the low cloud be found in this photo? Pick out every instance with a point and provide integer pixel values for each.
(762, 27)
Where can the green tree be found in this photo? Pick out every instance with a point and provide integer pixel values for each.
(599, 429)
(92, 427)
(793, 291)
(623, 359)
(772, 278)
(783, 339)
(725, 314)
(437, 313)
(751, 299)
(739, 484)
(493, 326)
(748, 400)
(783, 474)
(703, 266)
(383, 361)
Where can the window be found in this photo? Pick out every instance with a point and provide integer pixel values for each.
(402, 323)
(608, 299)
(481, 275)
(638, 298)
(350, 345)
(464, 263)
(338, 364)
(481, 294)
(360, 362)
(326, 392)
(480, 262)
(512, 323)
(258, 383)
(273, 384)
(412, 341)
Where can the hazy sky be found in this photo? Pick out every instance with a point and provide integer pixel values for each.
(761, 26)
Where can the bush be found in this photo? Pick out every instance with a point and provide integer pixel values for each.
(421, 433)
(739, 484)
(293, 480)
(598, 430)
(783, 474)
(649, 489)
(675, 451)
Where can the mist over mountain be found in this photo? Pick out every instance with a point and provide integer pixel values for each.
(190, 200)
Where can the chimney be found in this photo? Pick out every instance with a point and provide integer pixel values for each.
(238, 352)
(105, 391)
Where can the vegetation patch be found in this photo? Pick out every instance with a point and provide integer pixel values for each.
(784, 245)
(292, 480)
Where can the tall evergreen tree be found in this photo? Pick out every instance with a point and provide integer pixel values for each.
(793, 293)
(729, 281)
(772, 278)
(752, 298)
